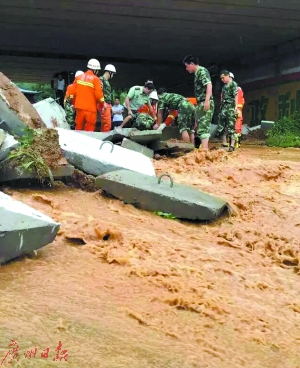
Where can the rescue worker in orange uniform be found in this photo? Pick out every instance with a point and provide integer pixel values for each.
(106, 114)
(174, 113)
(69, 102)
(88, 94)
(239, 120)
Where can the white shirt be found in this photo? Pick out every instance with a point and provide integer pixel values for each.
(117, 108)
(61, 84)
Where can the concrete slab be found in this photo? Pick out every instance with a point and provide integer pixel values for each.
(15, 109)
(8, 174)
(145, 136)
(52, 113)
(2, 136)
(22, 229)
(97, 135)
(127, 143)
(120, 133)
(266, 125)
(170, 132)
(163, 195)
(171, 146)
(97, 157)
(9, 144)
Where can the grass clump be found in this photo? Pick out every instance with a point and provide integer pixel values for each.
(285, 132)
(27, 158)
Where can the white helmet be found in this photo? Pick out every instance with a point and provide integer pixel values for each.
(79, 72)
(231, 75)
(154, 95)
(94, 64)
(110, 68)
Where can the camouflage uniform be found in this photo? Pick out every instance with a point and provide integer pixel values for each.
(106, 87)
(186, 110)
(143, 121)
(203, 118)
(227, 115)
(70, 113)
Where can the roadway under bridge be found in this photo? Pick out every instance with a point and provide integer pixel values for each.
(144, 39)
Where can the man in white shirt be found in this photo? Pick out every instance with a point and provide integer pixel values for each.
(60, 90)
(117, 111)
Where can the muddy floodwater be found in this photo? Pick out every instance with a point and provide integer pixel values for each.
(121, 287)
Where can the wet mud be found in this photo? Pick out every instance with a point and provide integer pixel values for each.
(121, 287)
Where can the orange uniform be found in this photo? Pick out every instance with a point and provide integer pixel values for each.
(239, 120)
(70, 93)
(174, 113)
(87, 93)
(146, 109)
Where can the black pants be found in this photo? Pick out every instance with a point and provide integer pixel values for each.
(60, 95)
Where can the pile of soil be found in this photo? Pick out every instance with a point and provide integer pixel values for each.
(46, 145)
(83, 181)
(17, 102)
(256, 135)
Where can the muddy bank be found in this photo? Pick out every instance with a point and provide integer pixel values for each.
(18, 103)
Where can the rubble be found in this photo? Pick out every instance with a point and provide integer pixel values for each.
(38, 152)
(13, 174)
(97, 157)
(52, 113)
(266, 125)
(127, 143)
(9, 144)
(172, 145)
(2, 136)
(16, 112)
(23, 229)
(156, 194)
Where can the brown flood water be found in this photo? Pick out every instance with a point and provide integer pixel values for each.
(120, 287)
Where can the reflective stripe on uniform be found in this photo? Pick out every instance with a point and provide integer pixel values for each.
(83, 83)
(171, 116)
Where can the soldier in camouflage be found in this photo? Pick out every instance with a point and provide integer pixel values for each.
(186, 113)
(144, 117)
(69, 102)
(203, 92)
(106, 114)
(228, 111)
(70, 113)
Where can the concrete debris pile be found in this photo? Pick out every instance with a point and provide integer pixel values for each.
(32, 150)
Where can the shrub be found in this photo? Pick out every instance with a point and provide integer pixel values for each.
(285, 132)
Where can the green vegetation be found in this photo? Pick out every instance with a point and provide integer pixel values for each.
(26, 158)
(285, 132)
(121, 93)
(169, 216)
(44, 88)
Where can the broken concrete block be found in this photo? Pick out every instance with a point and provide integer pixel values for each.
(15, 109)
(97, 135)
(2, 136)
(22, 229)
(97, 157)
(170, 132)
(155, 194)
(52, 113)
(8, 173)
(145, 136)
(171, 146)
(120, 133)
(9, 144)
(266, 125)
(127, 143)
